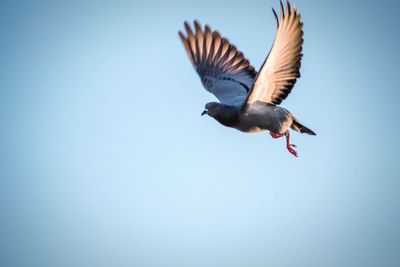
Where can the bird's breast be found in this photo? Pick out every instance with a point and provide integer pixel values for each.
(259, 117)
(247, 123)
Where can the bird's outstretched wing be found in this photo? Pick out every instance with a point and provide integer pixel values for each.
(224, 71)
(280, 70)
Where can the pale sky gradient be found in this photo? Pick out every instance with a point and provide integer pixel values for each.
(105, 160)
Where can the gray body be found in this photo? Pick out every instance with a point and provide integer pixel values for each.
(255, 117)
(261, 116)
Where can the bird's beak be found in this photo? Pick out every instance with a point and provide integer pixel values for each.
(204, 112)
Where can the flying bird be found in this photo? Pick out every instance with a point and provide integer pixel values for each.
(249, 100)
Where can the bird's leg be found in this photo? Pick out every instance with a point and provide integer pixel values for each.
(290, 146)
(275, 136)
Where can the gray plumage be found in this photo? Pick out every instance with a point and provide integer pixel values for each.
(249, 100)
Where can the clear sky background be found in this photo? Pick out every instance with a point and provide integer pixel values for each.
(105, 160)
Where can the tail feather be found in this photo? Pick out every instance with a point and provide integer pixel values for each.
(297, 126)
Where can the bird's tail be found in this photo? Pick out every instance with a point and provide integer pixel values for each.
(297, 126)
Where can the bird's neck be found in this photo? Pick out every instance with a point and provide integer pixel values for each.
(228, 116)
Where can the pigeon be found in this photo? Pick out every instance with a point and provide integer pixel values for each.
(249, 100)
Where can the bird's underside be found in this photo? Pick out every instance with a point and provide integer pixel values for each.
(249, 99)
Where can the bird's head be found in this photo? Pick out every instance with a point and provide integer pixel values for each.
(212, 109)
(224, 114)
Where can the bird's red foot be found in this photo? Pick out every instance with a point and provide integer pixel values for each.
(290, 146)
(275, 136)
(291, 149)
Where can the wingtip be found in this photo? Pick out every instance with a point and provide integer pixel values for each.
(276, 17)
(288, 7)
(207, 28)
(197, 24)
(294, 9)
(188, 28)
(181, 35)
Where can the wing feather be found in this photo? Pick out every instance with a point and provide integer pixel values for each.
(224, 71)
(281, 69)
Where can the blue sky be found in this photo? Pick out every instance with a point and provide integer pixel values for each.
(105, 160)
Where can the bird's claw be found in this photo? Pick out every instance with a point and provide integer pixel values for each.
(291, 149)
